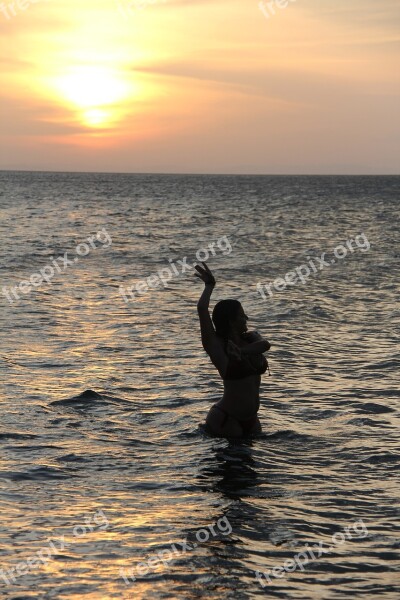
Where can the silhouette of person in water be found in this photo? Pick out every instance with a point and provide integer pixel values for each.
(238, 356)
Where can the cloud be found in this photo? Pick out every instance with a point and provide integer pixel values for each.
(211, 83)
(290, 84)
(36, 119)
(11, 64)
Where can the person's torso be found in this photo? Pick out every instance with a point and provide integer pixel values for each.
(241, 396)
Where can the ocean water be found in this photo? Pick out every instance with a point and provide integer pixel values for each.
(105, 469)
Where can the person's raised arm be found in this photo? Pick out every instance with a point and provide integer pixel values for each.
(206, 324)
(204, 300)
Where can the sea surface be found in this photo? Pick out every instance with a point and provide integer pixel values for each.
(103, 459)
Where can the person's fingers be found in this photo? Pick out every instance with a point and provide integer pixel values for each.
(201, 271)
(204, 273)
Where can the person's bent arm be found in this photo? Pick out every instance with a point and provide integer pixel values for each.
(256, 347)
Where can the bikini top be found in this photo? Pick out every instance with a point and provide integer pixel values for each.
(239, 369)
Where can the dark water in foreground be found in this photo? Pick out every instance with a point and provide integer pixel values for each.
(101, 482)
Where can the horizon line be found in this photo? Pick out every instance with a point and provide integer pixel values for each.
(205, 174)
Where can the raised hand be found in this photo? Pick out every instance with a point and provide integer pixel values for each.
(205, 274)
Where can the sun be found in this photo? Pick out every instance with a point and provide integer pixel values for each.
(96, 117)
(95, 91)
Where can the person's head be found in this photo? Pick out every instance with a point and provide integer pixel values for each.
(229, 318)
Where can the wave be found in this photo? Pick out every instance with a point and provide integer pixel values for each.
(375, 408)
(36, 473)
(84, 398)
(17, 436)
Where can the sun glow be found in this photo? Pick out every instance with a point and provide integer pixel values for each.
(96, 117)
(94, 91)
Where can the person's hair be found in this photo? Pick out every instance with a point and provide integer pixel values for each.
(224, 312)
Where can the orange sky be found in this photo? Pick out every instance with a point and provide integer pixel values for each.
(202, 86)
